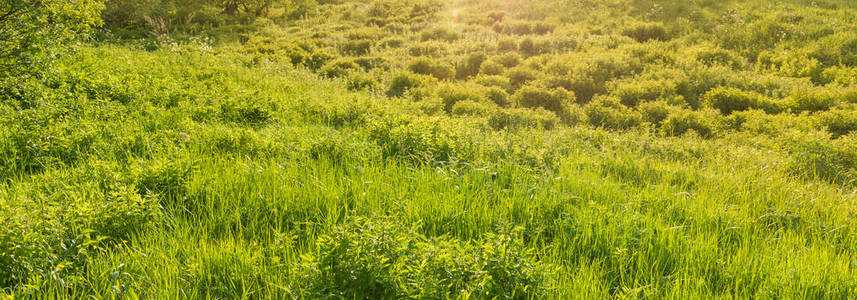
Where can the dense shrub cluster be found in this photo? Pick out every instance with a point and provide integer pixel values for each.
(380, 258)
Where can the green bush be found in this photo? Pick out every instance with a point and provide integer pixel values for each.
(556, 100)
(382, 259)
(507, 44)
(839, 122)
(470, 65)
(34, 31)
(729, 100)
(431, 49)
(816, 157)
(497, 95)
(338, 68)
(491, 68)
(644, 32)
(515, 118)
(472, 108)
(440, 34)
(501, 82)
(789, 64)
(508, 60)
(680, 122)
(402, 83)
(714, 56)
(631, 92)
(454, 93)
(356, 47)
(607, 112)
(435, 68)
(655, 112)
(811, 100)
(520, 76)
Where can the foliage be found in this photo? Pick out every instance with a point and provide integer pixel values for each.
(35, 31)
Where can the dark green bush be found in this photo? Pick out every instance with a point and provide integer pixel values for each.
(402, 83)
(644, 32)
(497, 95)
(520, 76)
(556, 100)
(470, 65)
(728, 100)
(338, 68)
(435, 68)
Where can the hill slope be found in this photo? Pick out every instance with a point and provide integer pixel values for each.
(234, 171)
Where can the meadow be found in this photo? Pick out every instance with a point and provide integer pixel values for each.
(433, 149)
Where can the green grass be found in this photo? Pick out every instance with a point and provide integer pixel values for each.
(204, 171)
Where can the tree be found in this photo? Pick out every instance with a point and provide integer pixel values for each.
(34, 31)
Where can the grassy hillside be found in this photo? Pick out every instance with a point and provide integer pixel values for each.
(440, 149)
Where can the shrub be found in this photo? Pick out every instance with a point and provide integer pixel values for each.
(556, 100)
(839, 122)
(607, 112)
(403, 82)
(338, 68)
(497, 95)
(633, 91)
(644, 32)
(811, 100)
(790, 64)
(494, 81)
(427, 66)
(520, 76)
(507, 44)
(357, 47)
(392, 42)
(34, 31)
(680, 122)
(728, 100)
(470, 65)
(543, 28)
(491, 68)
(655, 112)
(441, 34)
(713, 56)
(515, 118)
(432, 49)
(454, 93)
(508, 60)
(382, 259)
(360, 81)
(472, 108)
(527, 47)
